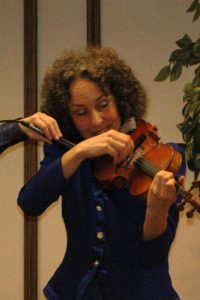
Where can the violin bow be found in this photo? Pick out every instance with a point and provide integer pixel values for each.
(61, 141)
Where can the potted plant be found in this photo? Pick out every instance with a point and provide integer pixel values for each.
(186, 55)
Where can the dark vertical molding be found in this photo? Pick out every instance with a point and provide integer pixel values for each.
(30, 157)
(94, 23)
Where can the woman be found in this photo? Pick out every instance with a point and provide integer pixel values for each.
(12, 133)
(117, 244)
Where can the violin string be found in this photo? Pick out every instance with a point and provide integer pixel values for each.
(150, 169)
(146, 166)
(185, 194)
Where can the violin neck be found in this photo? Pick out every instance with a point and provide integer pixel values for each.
(183, 193)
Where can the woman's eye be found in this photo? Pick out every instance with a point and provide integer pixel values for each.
(104, 103)
(80, 113)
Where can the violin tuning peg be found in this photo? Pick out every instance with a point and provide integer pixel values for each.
(181, 205)
(190, 213)
(195, 184)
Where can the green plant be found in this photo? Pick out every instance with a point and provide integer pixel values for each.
(186, 55)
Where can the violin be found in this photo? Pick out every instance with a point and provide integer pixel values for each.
(137, 171)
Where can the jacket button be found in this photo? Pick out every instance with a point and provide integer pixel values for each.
(100, 235)
(99, 208)
(96, 263)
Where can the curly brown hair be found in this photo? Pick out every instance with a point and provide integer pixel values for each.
(104, 67)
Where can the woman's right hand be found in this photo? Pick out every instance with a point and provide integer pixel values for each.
(44, 122)
(114, 143)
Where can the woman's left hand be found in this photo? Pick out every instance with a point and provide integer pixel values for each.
(162, 192)
(161, 195)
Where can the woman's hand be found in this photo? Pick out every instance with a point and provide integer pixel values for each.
(44, 122)
(161, 195)
(112, 142)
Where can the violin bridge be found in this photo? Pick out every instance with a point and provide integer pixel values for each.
(133, 158)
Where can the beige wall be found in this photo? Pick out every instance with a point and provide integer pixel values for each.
(11, 162)
(144, 33)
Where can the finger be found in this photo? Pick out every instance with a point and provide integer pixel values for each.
(162, 180)
(123, 138)
(120, 149)
(41, 124)
(46, 123)
(114, 154)
(181, 180)
(52, 126)
(41, 138)
(122, 143)
(171, 185)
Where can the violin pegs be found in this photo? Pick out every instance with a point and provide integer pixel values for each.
(181, 205)
(190, 213)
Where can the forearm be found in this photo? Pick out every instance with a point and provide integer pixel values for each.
(155, 224)
(71, 161)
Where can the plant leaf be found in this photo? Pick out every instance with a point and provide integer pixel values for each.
(175, 55)
(193, 6)
(176, 71)
(196, 47)
(196, 81)
(187, 88)
(163, 74)
(197, 140)
(197, 13)
(197, 163)
(186, 41)
(197, 71)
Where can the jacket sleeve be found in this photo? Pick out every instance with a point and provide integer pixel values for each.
(10, 134)
(154, 252)
(46, 186)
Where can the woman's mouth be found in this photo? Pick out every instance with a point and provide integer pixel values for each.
(101, 131)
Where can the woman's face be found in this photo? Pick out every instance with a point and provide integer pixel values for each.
(92, 112)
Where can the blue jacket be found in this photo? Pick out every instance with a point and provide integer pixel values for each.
(104, 236)
(10, 134)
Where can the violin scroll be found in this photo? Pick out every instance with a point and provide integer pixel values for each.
(191, 198)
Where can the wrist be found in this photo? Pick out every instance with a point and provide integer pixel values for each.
(155, 224)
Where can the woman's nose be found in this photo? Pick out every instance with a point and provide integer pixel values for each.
(96, 118)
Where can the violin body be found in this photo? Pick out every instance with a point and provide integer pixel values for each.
(162, 157)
